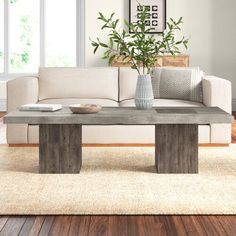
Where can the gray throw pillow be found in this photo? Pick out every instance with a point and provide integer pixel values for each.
(177, 83)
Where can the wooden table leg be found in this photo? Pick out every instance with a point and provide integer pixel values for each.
(176, 148)
(60, 148)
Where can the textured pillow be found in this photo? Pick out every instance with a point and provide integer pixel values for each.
(177, 83)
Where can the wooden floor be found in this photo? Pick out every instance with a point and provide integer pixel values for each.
(117, 225)
(234, 129)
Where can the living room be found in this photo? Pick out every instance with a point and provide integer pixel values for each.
(91, 146)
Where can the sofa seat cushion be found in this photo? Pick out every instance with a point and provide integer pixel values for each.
(70, 101)
(165, 103)
(78, 82)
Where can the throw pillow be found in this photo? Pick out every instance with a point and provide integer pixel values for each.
(177, 83)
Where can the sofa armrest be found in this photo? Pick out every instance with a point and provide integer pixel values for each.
(21, 91)
(217, 92)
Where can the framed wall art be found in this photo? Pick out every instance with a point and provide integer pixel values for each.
(156, 10)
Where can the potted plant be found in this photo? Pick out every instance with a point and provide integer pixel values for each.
(139, 48)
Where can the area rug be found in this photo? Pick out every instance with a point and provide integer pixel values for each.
(117, 181)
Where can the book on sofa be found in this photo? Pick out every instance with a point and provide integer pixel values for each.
(41, 107)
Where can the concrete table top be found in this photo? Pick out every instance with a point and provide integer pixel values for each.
(124, 116)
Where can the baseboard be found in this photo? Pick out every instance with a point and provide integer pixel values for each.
(234, 104)
(3, 105)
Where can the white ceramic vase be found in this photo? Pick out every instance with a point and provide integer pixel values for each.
(144, 92)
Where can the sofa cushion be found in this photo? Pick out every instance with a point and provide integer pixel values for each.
(127, 83)
(70, 101)
(78, 83)
(165, 103)
(177, 83)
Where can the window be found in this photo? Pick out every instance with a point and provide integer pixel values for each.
(23, 36)
(40, 33)
(1, 36)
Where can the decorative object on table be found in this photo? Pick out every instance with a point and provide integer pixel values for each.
(144, 92)
(166, 60)
(40, 107)
(139, 48)
(156, 14)
(85, 108)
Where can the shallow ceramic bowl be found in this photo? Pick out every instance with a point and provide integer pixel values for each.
(85, 108)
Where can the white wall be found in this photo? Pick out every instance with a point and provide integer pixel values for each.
(93, 26)
(223, 35)
(210, 24)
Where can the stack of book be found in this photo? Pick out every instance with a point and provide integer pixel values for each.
(41, 107)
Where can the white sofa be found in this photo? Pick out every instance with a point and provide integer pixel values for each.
(107, 86)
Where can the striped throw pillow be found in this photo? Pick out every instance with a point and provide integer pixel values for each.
(177, 83)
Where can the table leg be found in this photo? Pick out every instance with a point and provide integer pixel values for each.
(176, 148)
(60, 148)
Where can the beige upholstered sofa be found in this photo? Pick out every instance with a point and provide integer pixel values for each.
(107, 86)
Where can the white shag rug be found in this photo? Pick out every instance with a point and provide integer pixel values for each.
(117, 181)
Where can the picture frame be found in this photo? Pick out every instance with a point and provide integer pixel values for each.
(157, 9)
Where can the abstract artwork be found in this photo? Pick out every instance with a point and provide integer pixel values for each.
(156, 13)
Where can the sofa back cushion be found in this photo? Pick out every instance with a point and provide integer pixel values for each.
(127, 83)
(78, 83)
(177, 83)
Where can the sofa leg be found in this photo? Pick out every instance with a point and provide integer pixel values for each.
(176, 148)
(60, 148)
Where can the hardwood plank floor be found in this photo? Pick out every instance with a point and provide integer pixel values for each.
(13, 226)
(28, 225)
(46, 225)
(118, 225)
(234, 129)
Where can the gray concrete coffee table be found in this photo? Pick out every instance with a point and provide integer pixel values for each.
(60, 134)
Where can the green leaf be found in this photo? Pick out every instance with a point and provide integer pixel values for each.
(116, 22)
(103, 45)
(180, 20)
(104, 26)
(111, 59)
(127, 23)
(95, 49)
(111, 43)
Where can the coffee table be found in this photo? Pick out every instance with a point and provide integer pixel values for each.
(176, 134)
